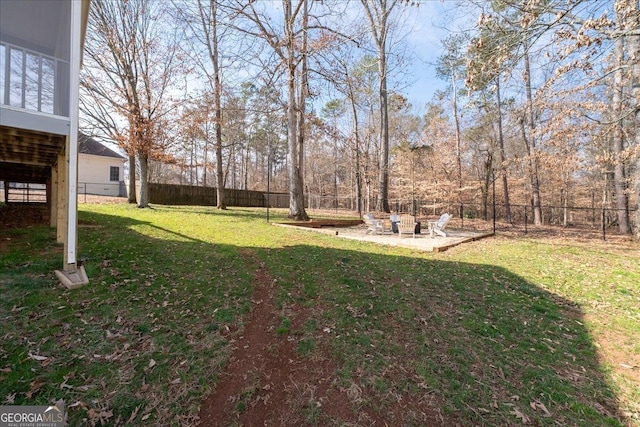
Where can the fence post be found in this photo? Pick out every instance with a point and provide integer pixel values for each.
(604, 236)
(525, 219)
(494, 200)
(593, 209)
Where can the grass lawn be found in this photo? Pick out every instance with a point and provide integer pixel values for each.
(498, 332)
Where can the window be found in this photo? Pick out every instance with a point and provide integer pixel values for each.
(114, 174)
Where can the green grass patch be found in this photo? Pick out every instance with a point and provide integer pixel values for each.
(491, 329)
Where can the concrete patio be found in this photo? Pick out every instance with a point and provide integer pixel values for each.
(421, 241)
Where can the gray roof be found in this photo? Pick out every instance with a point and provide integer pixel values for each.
(89, 145)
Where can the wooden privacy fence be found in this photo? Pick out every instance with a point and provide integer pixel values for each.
(172, 194)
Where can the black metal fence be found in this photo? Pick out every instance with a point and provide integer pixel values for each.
(23, 193)
(112, 189)
(596, 220)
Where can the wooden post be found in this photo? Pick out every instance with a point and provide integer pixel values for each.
(53, 197)
(61, 208)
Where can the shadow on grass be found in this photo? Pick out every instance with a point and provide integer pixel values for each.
(147, 336)
(232, 211)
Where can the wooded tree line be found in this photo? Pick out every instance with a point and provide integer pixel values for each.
(307, 97)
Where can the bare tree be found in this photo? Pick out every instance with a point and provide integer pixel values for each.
(620, 179)
(378, 13)
(129, 65)
(450, 66)
(202, 19)
(529, 118)
(630, 13)
(290, 44)
(343, 71)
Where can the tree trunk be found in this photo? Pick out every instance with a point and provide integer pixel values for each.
(633, 41)
(531, 141)
(620, 179)
(456, 120)
(144, 174)
(367, 206)
(486, 184)
(565, 206)
(217, 105)
(356, 149)
(245, 167)
(378, 13)
(383, 191)
(132, 179)
(296, 187)
(503, 156)
(205, 162)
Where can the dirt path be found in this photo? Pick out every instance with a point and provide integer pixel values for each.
(268, 383)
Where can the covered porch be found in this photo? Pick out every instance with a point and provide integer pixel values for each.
(40, 57)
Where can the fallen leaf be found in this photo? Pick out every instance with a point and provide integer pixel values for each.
(10, 399)
(520, 415)
(536, 404)
(5, 370)
(37, 357)
(145, 417)
(78, 403)
(64, 385)
(134, 414)
(33, 389)
(152, 363)
(100, 416)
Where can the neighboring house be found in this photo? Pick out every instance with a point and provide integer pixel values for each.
(40, 57)
(100, 169)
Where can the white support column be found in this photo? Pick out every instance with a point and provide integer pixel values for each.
(74, 85)
(72, 275)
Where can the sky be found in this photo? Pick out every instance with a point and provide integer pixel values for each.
(426, 26)
(423, 28)
(425, 37)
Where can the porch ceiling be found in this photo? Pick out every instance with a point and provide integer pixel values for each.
(27, 156)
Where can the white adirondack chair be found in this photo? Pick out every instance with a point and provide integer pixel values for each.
(438, 226)
(407, 225)
(374, 225)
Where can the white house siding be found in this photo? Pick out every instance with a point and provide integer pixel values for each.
(94, 175)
